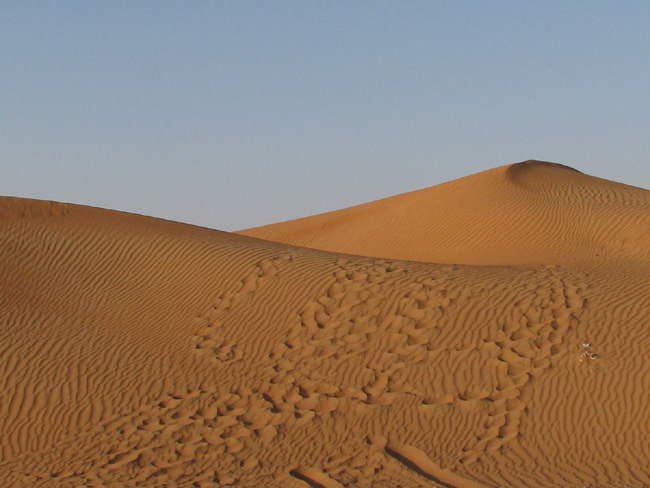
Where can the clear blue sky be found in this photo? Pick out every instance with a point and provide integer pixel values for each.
(236, 114)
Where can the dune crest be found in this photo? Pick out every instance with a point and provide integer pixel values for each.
(527, 213)
(145, 353)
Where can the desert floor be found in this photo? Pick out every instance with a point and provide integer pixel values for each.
(493, 331)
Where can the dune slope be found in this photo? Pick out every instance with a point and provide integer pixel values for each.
(527, 213)
(145, 353)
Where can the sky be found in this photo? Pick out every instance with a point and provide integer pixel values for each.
(236, 114)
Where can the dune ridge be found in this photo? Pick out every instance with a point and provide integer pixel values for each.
(140, 352)
(532, 212)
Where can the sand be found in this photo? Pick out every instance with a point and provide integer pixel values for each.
(528, 213)
(487, 332)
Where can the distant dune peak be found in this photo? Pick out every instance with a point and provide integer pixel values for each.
(532, 212)
(531, 170)
(534, 163)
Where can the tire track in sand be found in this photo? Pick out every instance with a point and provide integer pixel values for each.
(357, 322)
(534, 332)
(162, 441)
(211, 340)
(352, 345)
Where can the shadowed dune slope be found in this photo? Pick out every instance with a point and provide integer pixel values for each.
(527, 213)
(139, 352)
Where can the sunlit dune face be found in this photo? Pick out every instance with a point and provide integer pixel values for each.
(490, 331)
(528, 213)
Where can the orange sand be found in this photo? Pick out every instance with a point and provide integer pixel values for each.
(527, 213)
(139, 352)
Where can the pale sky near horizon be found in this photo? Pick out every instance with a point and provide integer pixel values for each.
(236, 114)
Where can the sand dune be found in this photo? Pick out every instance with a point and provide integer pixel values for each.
(145, 353)
(528, 213)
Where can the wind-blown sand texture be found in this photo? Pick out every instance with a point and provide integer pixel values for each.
(140, 352)
(527, 213)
